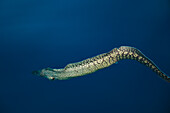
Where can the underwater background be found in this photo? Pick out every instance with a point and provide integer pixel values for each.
(36, 34)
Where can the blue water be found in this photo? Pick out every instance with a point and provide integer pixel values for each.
(36, 34)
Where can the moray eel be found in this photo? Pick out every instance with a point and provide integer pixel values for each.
(104, 60)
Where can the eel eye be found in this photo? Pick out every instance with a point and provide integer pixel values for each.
(51, 78)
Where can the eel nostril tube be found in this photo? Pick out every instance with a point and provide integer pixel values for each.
(35, 72)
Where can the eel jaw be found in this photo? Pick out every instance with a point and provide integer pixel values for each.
(49, 73)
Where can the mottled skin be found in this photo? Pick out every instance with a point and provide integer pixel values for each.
(93, 64)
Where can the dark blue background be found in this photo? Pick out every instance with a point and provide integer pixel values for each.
(36, 34)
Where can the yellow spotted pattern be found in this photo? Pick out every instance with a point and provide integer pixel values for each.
(93, 64)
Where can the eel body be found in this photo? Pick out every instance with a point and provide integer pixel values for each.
(104, 60)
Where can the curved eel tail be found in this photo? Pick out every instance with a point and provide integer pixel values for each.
(126, 52)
